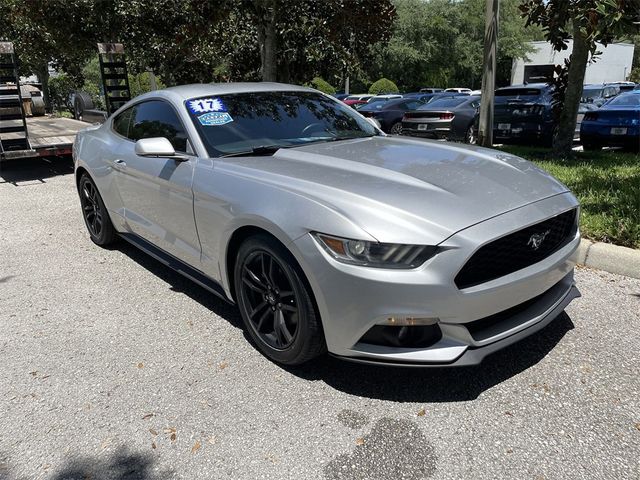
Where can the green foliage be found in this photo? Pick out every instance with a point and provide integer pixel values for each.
(634, 76)
(607, 184)
(60, 88)
(439, 43)
(322, 85)
(383, 85)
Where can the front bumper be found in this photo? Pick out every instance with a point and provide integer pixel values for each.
(353, 299)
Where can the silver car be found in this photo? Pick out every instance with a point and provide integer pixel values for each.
(328, 234)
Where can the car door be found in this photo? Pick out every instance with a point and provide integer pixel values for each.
(157, 192)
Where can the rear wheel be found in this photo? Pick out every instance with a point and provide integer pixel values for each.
(470, 136)
(275, 302)
(95, 214)
(396, 129)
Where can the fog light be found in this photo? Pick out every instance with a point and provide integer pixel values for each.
(409, 321)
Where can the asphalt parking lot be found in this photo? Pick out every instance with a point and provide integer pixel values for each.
(114, 367)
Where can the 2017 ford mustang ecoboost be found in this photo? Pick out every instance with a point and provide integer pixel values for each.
(327, 233)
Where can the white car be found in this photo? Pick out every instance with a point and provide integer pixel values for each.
(458, 90)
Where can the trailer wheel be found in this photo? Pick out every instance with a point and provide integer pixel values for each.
(81, 103)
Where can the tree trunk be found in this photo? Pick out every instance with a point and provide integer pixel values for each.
(563, 141)
(267, 39)
(43, 76)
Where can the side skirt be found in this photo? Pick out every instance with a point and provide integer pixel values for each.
(177, 265)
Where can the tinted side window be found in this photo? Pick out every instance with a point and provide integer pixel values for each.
(158, 119)
(121, 123)
(412, 105)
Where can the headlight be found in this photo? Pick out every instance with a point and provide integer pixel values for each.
(373, 254)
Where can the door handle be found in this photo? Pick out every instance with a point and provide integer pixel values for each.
(119, 164)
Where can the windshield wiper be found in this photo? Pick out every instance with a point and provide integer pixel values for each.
(259, 151)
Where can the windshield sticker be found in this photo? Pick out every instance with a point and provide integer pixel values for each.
(204, 105)
(215, 118)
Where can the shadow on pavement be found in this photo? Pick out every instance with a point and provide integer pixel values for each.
(122, 465)
(34, 171)
(436, 384)
(180, 284)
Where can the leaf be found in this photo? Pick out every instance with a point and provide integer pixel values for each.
(153, 445)
(422, 412)
(638, 426)
(223, 365)
(140, 365)
(173, 437)
(196, 446)
(153, 432)
(169, 430)
(359, 441)
(148, 416)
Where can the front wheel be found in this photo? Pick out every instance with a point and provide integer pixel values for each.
(275, 302)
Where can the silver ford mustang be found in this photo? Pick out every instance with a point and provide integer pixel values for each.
(327, 233)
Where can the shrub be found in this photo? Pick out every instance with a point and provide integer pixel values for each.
(60, 87)
(382, 86)
(322, 85)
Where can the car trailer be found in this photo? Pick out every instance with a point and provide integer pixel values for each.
(28, 137)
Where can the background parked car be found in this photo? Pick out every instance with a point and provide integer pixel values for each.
(340, 96)
(450, 118)
(430, 90)
(389, 113)
(582, 110)
(624, 86)
(598, 94)
(458, 90)
(385, 97)
(523, 113)
(355, 100)
(615, 124)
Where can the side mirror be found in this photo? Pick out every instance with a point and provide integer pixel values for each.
(157, 147)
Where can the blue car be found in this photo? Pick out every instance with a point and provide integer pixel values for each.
(615, 124)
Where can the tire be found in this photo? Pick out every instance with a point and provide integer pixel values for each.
(82, 102)
(276, 302)
(95, 214)
(396, 129)
(470, 136)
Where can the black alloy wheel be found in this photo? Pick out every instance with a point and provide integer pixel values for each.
(275, 303)
(95, 215)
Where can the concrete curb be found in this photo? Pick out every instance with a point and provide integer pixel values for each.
(610, 258)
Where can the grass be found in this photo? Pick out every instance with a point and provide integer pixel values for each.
(607, 184)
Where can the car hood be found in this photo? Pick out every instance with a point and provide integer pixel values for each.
(396, 188)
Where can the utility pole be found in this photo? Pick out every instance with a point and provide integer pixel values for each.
(485, 129)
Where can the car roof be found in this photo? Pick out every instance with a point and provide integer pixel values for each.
(525, 85)
(184, 92)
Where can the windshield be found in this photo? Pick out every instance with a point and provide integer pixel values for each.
(629, 100)
(375, 105)
(444, 103)
(591, 93)
(242, 122)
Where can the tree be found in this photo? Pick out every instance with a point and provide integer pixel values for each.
(588, 22)
(439, 43)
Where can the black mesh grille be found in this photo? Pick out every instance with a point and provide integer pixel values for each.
(517, 250)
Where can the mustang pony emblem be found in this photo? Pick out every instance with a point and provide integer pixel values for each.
(536, 239)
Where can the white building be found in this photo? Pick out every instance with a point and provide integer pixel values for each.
(613, 65)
